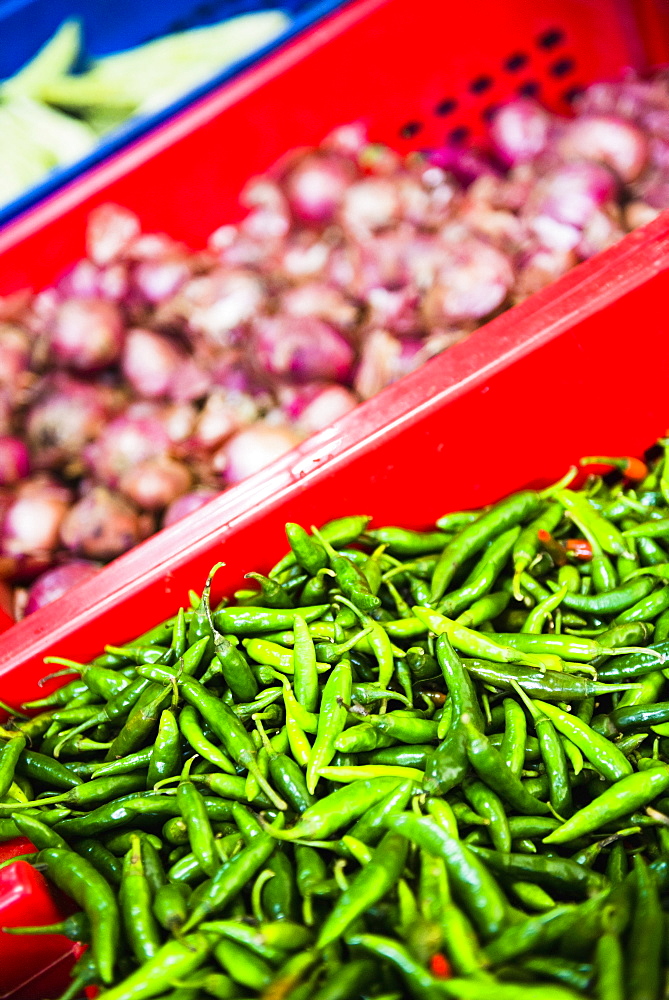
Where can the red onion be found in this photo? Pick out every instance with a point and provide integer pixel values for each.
(114, 282)
(187, 503)
(380, 161)
(111, 230)
(496, 225)
(268, 222)
(55, 582)
(150, 362)
(224, 413)
(315, 298)
(157, 280)
(382, 260)
(82, 281)
(618, 144)
(178, 419)
(328, 404)
(156, 482)
(101, 525)
(369, 205)
(124, 443)
(573, 192)
(380, 354)
(639, 213)
(152, 247)
(14, 460)
(87, 281)
(65, 417)
(252, 449)
(87, 334)
(473, 281)
(14, 354)
(348, 140)
(466, 165)
(602, 231)
(32, 521)
(305, 255)
(396, 311)
(540, 268)
(417, 200)
(316, 186)
(519, 131)
(190, 381)
(303, 348)
(553, 235)
(220, 302)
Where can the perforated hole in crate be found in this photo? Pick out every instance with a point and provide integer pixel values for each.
(544, 69)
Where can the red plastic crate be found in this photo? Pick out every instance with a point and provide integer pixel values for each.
(415, 72)
(580, 367)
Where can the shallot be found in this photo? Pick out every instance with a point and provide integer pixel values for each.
(151, 377)
(252, 449)
(187, 503)
(101, 525)
(56, 581)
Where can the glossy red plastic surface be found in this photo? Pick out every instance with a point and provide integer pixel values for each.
(416, 71)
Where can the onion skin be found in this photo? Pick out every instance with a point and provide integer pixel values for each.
(55, 582)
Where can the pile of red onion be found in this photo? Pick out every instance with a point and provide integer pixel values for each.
(152, 377)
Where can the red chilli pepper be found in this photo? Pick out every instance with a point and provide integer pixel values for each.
(579, 548)
(632, 468)
(554, 548)
(440, 966)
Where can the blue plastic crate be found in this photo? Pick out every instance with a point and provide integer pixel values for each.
(114, 25)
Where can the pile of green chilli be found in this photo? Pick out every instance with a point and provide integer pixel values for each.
(409, 765)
